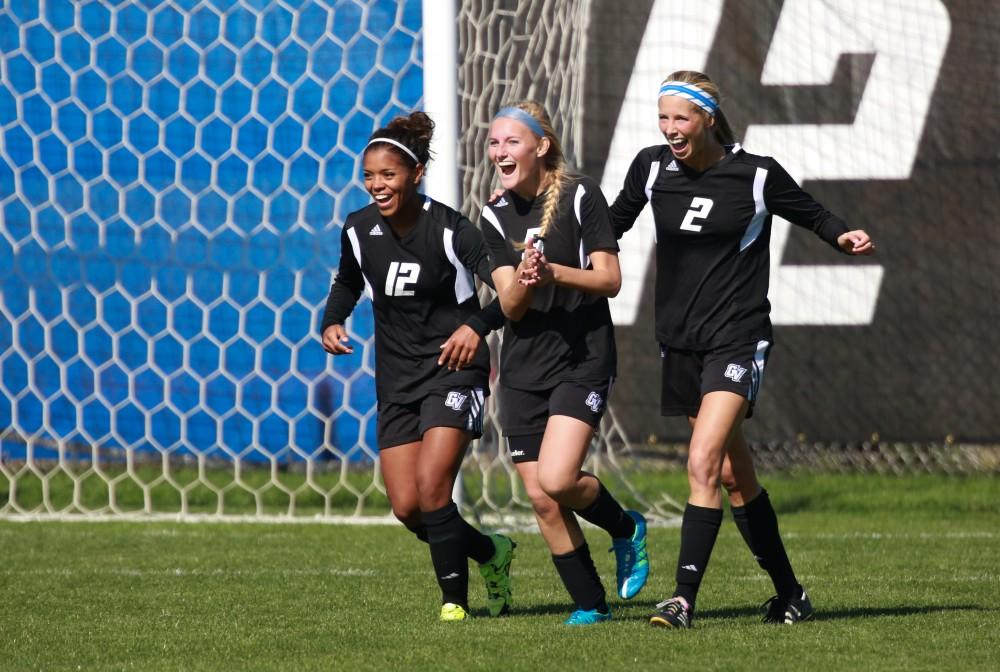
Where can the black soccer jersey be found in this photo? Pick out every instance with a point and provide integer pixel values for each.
(566, 335)
(713, 230)
(422, 290)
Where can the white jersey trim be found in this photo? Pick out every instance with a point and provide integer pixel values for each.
(464, 285)
(654, 170)
(491, 217)
(352, 234)
(756, 224)
(757, 374)
(577, 200)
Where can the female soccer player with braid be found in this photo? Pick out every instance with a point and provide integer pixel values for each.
(712, 205)
(416, 258)
(558, 357)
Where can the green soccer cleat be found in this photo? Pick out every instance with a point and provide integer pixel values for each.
(453, 612)
(496, 572)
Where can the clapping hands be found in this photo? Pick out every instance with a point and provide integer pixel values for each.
(534, 269)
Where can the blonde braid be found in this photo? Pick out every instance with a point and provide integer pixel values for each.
(550, 209)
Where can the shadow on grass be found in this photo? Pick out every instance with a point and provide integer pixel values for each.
(847, 613)
(642, 609)
(562, 609)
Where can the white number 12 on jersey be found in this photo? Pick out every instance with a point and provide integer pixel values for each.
(700, 207)
(400, 275)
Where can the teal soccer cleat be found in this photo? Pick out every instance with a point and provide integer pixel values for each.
(581, 617)
(631, 559)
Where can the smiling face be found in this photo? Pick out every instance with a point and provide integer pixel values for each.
(518, 155)
(687, 129)
(390, 180)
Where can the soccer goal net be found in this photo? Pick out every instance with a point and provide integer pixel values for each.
(173, 178)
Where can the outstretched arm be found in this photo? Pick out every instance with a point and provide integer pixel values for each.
(785, 198)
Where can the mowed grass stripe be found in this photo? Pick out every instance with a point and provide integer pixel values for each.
(902, 582)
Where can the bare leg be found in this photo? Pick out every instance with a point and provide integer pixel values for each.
(558, 525)
(399, 468)
(718, 419)
(564, 448)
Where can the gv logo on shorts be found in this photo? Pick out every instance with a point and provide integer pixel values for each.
(455, 400)
(594, 401)
(735, 372)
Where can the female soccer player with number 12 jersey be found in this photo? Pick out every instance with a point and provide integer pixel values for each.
(416, 258)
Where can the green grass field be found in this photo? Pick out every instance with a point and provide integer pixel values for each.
(904, 573)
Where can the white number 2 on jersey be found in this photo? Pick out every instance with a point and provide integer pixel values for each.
(699, 208)
(400, 275)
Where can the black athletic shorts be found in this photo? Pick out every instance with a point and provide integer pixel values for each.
(688, 375)
(527, 411)
(463, 408)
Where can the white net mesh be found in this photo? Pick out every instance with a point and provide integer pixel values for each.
(535, 51)
(173, 180)
(172, 183)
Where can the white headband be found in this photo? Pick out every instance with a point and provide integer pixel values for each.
(394, 142)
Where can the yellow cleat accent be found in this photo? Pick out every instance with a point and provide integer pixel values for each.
(452, 612)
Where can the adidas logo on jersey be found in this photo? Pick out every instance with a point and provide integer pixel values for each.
(501, 203)
(375, 231)
(672, 166)
(690, 568)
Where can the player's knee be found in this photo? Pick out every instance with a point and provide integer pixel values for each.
(545, 507)
(704, 472)
(728, 479)
(433, 491)
(558, 486)
(408, 516)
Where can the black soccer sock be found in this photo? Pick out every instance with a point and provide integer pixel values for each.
(419, 530)
(766, 544)
(578, 574)
(743, 525)
(699, 529)
(608, 514)
(445, 534)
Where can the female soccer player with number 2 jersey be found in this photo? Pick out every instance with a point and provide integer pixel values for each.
(712, 205)
(416, 259)
(558, 357)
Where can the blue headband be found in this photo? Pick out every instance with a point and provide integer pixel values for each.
(517, 114)
(690, 93)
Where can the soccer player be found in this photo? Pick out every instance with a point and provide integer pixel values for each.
(712, 205)
(558, 357)
(416, 258)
